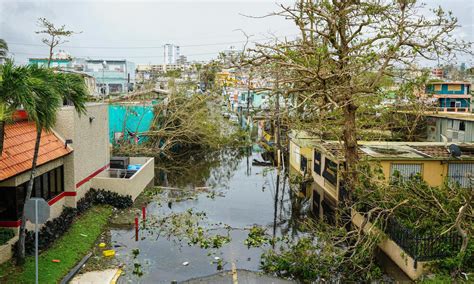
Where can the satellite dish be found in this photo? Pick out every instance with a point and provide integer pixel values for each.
(454, 150)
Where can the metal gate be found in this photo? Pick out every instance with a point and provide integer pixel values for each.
(405, 170)
(460, 173)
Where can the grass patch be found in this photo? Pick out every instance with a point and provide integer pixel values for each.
(69, 249)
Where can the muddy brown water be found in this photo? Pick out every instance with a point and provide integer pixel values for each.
(234, 194)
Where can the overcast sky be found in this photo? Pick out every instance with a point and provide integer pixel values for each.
(137, 30)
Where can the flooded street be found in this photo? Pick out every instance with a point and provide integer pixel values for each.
(225, 195)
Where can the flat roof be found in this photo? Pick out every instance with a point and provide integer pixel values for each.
(452, 115)
(388, 150)
(449, 83)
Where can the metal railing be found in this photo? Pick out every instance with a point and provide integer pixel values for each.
(423, 247)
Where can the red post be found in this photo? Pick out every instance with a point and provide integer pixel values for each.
(144, 213)
(136, 229)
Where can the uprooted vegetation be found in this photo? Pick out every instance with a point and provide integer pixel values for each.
(184, 122)
(440, 216)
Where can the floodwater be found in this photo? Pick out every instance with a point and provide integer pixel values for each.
(234, 195)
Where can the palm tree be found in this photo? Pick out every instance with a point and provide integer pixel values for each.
(41, 92)
(15, 92)
(3, 48)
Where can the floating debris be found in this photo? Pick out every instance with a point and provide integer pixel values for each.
(186, 263)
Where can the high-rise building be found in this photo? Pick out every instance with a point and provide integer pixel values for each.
(171, 53)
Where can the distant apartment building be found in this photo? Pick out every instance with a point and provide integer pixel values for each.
(182, 60)
(451, 96)
(111, 76)
(171, 54)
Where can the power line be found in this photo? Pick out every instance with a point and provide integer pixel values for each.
(153, 47)
(121, 57)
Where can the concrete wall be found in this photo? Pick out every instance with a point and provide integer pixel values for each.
(442, 128)
(6, 252)
(132, 186)
(433, 172)
(89, 133)
(295, 157)
(392, 250)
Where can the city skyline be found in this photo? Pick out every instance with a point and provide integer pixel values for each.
(149, 25)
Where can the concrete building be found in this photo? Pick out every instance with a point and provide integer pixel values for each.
(451, 96)
(112, 76)
(320, 163)
(450, 126)
(171, 54)
(73, 158)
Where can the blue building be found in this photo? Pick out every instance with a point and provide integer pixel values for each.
(451, 96)
(111, 76)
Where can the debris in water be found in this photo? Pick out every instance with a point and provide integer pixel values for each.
(217, 258)
(186, 263)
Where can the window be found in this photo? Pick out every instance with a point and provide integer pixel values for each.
(296, 153)
(317, 162)
(455, 88)
(437, 88)
(462, 126)
(460, 172)
(47, 186)
(405, 171)
(303, 164)
(330, 171)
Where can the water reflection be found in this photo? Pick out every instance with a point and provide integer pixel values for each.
(247, 195)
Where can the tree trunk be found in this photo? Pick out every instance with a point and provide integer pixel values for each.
(350, 147)
(21, 246)
(2, 136)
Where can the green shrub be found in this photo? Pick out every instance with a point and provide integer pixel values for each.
(56, 227)
(6, 235)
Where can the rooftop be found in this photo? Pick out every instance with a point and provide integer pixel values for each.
(449, 83)
(452, 115)
(19, 146)
(382, 150)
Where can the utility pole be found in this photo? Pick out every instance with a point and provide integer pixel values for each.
(248, 99)
(277, 120)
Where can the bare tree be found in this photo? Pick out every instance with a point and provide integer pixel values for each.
(344, 51)
(55, 35)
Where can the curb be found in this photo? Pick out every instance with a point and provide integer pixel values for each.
(116, 276)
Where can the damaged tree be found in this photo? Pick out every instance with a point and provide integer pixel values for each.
(344, 51)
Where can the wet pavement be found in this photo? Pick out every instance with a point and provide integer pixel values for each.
(225, 195)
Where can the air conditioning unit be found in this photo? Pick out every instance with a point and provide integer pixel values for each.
(119, 162)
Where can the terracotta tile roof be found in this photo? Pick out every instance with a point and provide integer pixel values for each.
(19, 146)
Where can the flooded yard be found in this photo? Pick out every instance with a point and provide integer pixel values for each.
(200, 214)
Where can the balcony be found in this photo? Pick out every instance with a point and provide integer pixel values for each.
(127, 182)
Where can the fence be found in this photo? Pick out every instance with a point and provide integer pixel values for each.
(423, 247)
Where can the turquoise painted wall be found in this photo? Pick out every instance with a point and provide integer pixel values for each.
(138, 118)
(465, 89)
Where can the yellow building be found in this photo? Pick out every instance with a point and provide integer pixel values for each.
(323, 161)
(225, 78)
